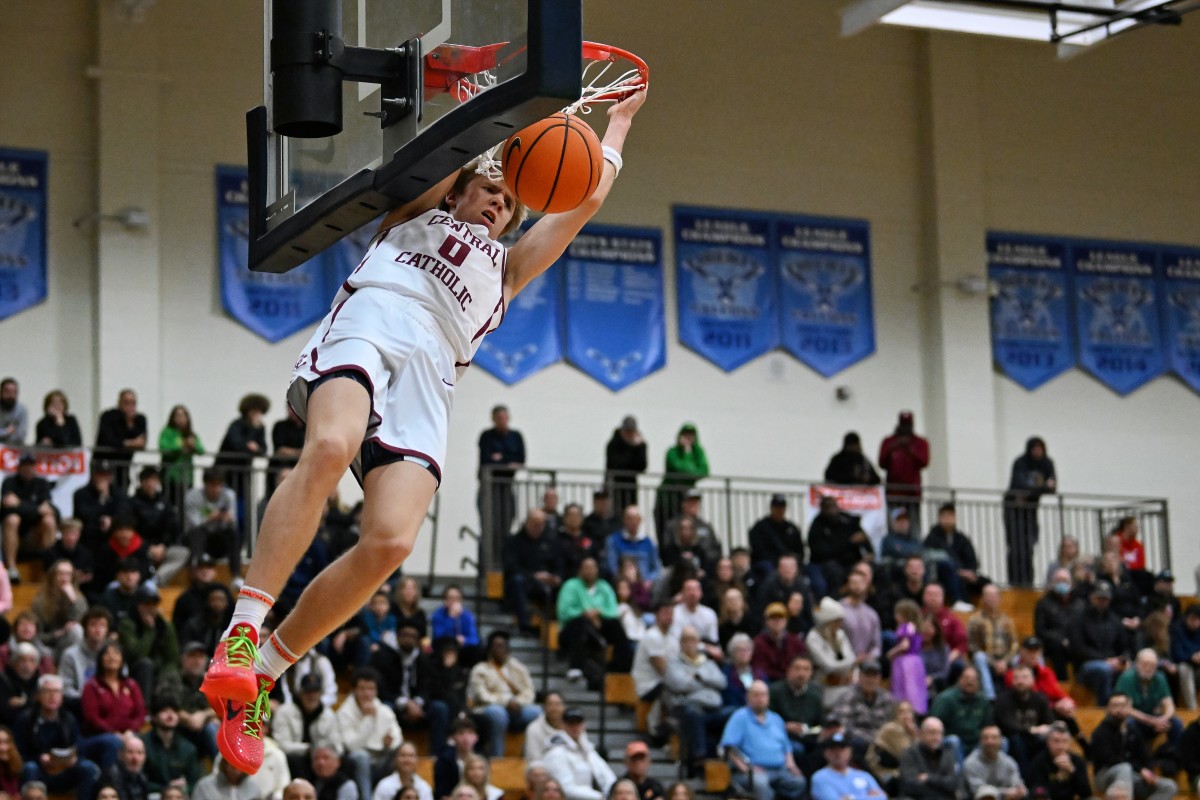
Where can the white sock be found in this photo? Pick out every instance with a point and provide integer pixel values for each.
(274, 658)
(252, 607)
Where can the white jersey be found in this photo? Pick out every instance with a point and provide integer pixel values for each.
(453, 270)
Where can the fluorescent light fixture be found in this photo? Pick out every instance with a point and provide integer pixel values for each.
(1034, 20)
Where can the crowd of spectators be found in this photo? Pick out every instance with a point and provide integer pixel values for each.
(812, 663)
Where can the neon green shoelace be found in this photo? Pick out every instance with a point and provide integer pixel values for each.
(240, 649)
(257, 714)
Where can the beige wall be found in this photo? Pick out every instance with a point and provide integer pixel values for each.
(932, 138)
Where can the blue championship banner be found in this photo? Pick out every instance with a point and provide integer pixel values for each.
(1032, 336)
(827, 318)
(1181, 308)
(529, 339)
(273, 306)
(725, 284)
(616, 330)
(22, 230)
(1116, 313)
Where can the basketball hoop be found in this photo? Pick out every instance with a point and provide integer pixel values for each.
(610, 74)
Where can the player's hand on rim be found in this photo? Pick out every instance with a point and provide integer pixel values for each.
(630, 105)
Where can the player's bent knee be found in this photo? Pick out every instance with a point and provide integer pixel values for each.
(389, 553)
(327, 455)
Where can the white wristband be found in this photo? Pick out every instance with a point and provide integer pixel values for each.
(613, 157)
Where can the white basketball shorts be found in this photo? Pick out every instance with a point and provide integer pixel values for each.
(396, 351)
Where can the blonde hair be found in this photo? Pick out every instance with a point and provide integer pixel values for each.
(470, 172)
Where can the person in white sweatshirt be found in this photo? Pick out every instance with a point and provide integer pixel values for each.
(369, 730)
(405, 775)
(574, 763)
(537, 735)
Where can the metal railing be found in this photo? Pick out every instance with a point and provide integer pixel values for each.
(733, 504)
(252, 481)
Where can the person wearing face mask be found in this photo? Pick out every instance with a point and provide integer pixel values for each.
(1052, 618)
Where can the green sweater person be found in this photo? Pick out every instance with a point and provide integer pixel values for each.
(686, 464)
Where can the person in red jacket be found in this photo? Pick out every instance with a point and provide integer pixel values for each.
(775, 648)
(902, 456)
(111, 703)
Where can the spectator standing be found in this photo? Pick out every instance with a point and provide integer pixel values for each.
(171, 760)
(908, 670)
(630, 540)
(1056, 773)
(775, 647)
(30, 519)
(773, 537)
(949, 546)
(211, 515)
(849, 466)
(686, 463)
(757, 745)
(14, 419)
(928, 770)
(587, 612)
(990, 771)
(991, 639)
(48, 737)
(532, 568)
(245, 439)
(1032, 476)
(574, 763)
(1120, 753)
(177, 443)
(57, 428)
(501, 454)
(624, 460)
(120, 433)
(903, 456)
(501, 690)
(1056, 611)
(1185, 653)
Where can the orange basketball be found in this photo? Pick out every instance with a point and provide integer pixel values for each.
(553, 165)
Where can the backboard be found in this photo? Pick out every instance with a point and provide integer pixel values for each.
(424, 85)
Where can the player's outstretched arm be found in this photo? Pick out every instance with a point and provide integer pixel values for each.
(415, 208)
(549, 237)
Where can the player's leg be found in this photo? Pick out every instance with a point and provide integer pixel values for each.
(11, 540)
(338, 409)
(395, 499)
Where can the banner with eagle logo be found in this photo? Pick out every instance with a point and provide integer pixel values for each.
(1033, 340)
(615, 315)
(272, 306)
(725, 283)
(22, 229)
(827, 318)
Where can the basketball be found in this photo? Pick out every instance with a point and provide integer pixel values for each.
(553, 165)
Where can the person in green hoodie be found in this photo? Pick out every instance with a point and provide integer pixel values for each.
(177, 443)
(588, 616)
(687, 463)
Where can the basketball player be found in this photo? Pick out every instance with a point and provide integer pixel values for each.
(374, 386)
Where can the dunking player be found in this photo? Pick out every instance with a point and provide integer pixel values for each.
(374, 386)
